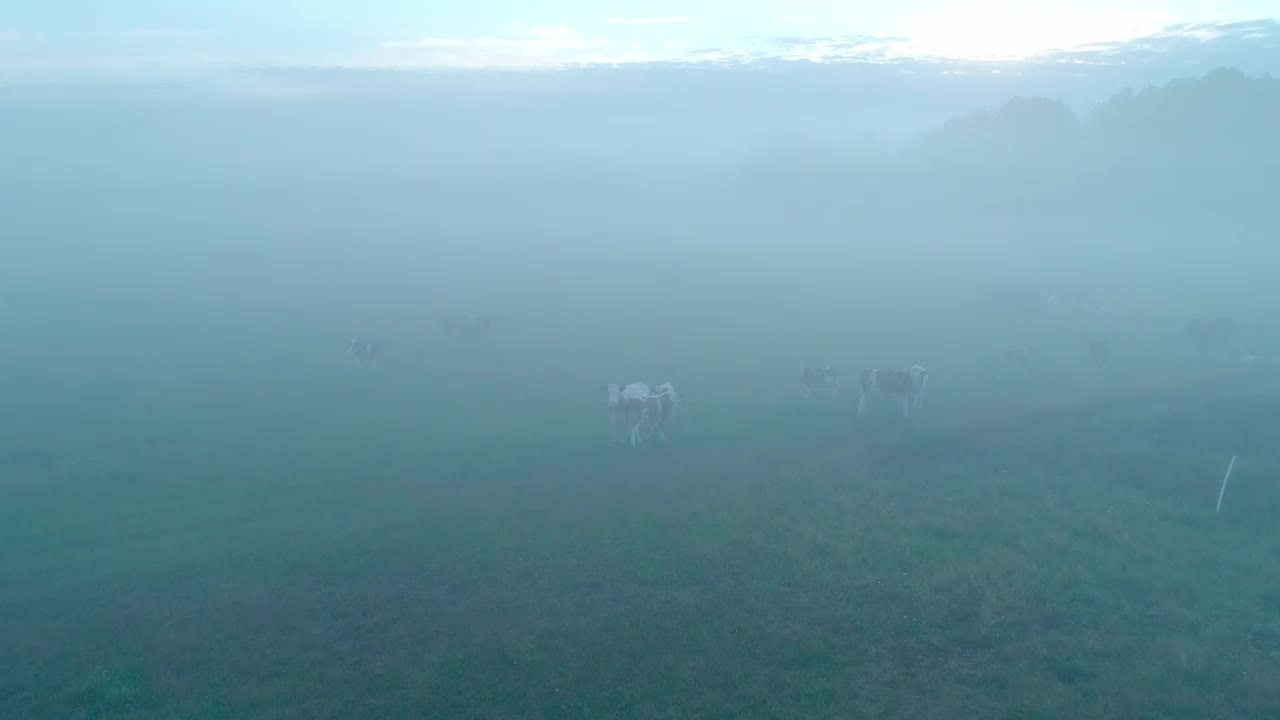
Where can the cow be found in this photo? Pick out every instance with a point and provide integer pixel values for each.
(363, 351)
(1215, 334)
(1018, 361)
(466, 328)
(661, 409)
(825, 378)
(629, 410)
(908, 383)
(1100, 351)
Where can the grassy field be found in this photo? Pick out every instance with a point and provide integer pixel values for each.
(264, 541)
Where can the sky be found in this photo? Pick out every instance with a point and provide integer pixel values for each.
(88, 36)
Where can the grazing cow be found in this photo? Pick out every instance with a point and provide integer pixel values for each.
(1100, 351)
(661, 409)
(467, 328)
(1212, 334)
(907, 383)
(628, 410)
(825, 378)
(1017, 361)
(363, 351)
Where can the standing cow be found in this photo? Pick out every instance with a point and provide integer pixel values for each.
(628, 410)
(662, 408)
(363, 351)
(908, 384)
(825, 379)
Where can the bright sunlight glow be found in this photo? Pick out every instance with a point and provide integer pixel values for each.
(1008, 31)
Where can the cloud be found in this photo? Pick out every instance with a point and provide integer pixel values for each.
(1253, 46)
(519, 47)
(1118, 38)
(1001, 32)
(664, 20)
(833, 48)
(1120, 41)
(536, 39)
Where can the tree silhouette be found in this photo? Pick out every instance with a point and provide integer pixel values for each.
(1025, 132)
(1223, 120)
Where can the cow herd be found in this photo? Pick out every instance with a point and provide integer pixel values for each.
(639, 412)
(904, 385)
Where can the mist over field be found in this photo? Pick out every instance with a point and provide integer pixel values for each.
(209, 508)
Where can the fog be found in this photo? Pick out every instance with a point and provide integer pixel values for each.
(165, 243)
(209, 507)
(353, 201)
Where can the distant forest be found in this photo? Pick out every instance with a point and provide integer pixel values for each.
(1224, 122)
(1213, 139)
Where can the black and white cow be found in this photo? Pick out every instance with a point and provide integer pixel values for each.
(662, 408)
(824, 379)
(363, 351)
(1214, 334)
(465, 328)
(629, 410)
(1018, 361)
(909, 384)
